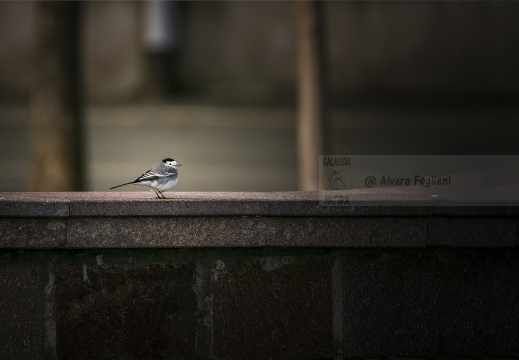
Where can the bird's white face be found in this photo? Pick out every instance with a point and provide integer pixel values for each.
(170, 162)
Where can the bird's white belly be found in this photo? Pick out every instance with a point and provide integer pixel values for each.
(163, 186)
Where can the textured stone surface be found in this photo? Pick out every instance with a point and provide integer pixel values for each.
(447, 304)
(390, 305)
(472, 231)
(167, 232)
(260, 303)
(246, 231)
(348, 231)
(174, 205)
(383, 217)
(398, 201)
(117, 311)
(355, 202)
(12, 204)
(21, 309)
(479, 312)
(491, 208)
(33, 232)
(272, 308)
(349, 207)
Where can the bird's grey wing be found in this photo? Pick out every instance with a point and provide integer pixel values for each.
(151, 175)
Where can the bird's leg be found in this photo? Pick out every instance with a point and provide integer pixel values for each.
(160, 192)
(156, 193)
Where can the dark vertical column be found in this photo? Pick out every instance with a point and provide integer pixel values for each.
(312, 114)
(56, 103)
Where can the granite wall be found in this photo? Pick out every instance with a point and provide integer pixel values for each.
(255, 276)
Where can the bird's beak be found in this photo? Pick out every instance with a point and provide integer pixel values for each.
(178, 165)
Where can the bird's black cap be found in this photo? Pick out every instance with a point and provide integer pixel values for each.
(167, 159)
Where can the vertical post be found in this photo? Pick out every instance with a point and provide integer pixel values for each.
(161, 35)
(56, 126)
(312, 114)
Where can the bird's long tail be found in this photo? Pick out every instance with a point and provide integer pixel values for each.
(129, 183)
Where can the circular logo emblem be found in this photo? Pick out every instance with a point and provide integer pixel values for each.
(336, 179)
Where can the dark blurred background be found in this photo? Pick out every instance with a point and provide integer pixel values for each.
(214, 85)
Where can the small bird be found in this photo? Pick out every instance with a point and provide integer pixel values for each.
(162, 177)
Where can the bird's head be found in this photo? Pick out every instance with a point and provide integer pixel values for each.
(170, 162)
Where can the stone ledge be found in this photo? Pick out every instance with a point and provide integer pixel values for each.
(370, 218)
(356, 202)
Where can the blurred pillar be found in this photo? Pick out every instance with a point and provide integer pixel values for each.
(56, 104)
(160, 38)
(312, 112)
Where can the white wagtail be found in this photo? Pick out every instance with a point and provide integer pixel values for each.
(159, 178)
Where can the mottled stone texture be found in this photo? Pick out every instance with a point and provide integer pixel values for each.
(479, 313)
(169, 207)
(395, 217)
(256, 276)
(184, 231)
(390, 305)
(21, 310)
(269, 303)
(273, 308)
(191, 231)
(33, 204)
(33, 232)
(371, 231)
(472, 231)
(445, 303)
(145, 311)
